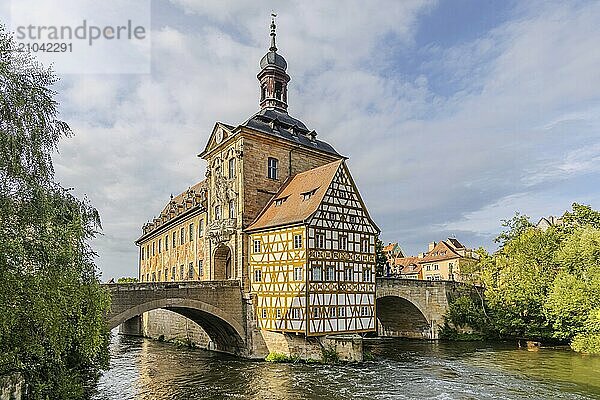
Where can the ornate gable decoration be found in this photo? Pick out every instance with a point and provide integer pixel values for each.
(220, 133)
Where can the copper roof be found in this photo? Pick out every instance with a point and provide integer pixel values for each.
(293, 204)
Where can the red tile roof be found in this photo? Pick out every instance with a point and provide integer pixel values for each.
(290, 205)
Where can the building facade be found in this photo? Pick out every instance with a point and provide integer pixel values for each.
(210, 231)
(441, 262)
(313, 256)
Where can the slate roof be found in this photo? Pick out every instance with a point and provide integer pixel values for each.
(190, 199)
(280, 124)
(288, 206)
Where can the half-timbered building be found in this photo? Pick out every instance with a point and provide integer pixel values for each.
(312, 258)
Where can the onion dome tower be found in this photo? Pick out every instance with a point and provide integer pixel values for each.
(273, 78)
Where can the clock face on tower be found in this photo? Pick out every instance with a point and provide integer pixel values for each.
(219, 137)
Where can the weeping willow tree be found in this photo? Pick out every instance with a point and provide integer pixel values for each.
(51, 304)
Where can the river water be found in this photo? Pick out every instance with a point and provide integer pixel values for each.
(402, 369)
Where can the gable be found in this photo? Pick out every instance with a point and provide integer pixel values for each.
(220, 133)
(441, 251)
(342, 206)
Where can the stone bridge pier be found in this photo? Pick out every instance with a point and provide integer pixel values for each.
(412, 308)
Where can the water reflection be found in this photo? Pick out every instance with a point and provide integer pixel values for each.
(145, 369)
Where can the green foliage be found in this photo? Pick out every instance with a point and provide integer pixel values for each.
(330, 355)
(127, 280)
(513, 228)
(581, 216)
(280, 358)
(380, 259)
(542, 285)
(589, 340)
(51, 325)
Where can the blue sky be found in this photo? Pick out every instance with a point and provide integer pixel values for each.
(454, 114)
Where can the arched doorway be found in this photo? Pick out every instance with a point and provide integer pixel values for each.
(401, 318)
(222, 263)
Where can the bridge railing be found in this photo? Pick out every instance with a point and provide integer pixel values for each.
(170, 285)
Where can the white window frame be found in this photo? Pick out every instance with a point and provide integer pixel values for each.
(272, 168)
(298, 241)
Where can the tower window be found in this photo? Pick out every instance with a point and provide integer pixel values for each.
(231, 168)
(278, 90)
(272, 167)
(231, 209)
(217, 212)
(263, 93)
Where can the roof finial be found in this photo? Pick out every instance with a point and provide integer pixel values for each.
(273, 47)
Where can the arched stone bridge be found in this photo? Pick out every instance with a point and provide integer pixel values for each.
(217, 306)
(412, 308)
(405, 308)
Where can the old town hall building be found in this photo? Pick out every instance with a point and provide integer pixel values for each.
(279, 212)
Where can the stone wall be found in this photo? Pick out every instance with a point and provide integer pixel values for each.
(347, 347)
(174, 327)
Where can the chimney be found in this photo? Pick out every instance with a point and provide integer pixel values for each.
(431, 246)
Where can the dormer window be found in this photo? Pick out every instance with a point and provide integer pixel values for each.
(280, 201)
(307, 195)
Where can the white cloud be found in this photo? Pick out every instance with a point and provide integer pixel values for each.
(428, 164)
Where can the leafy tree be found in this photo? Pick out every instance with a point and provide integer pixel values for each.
(581, 216)
(380, 259)
(576, 290)
(513, 228)
(52, 328)
(127, 280)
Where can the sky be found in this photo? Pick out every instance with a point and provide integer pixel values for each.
(454, 114)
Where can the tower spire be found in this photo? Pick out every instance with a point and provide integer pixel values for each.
(273, 34)
(272, 76)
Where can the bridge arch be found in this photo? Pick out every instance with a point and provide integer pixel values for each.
(227, 334)
(398, 316)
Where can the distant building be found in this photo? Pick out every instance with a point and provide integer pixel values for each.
(443, 260)
(392, 251)
(408, 268)
(546, 222)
